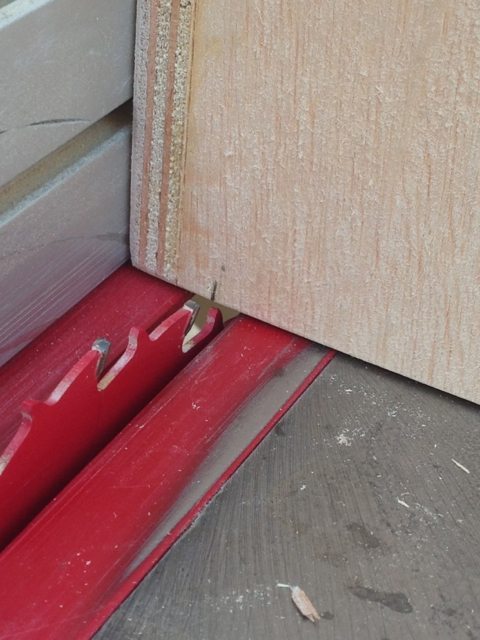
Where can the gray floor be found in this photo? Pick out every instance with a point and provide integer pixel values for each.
(356, 498)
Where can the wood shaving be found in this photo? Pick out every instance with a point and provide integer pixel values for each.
(460, 466)
(302, 602)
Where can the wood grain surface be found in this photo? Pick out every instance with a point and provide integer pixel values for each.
(316, 165)
(358, 498)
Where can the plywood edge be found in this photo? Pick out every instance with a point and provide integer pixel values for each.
(162, 72)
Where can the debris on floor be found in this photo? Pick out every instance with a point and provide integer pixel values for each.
(460, 466)
(302, 602)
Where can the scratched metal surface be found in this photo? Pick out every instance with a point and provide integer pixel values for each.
(356, 498)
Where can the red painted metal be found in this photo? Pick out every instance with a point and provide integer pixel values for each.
(71, 565)
(59, 436)
(127, 298)
(160, 549)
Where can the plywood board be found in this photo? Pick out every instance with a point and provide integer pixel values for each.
(316, 165)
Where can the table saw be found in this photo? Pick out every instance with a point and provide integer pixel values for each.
(170, 468)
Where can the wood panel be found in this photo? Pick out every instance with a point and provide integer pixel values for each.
(316, 165)
(64, 65)
(63, 229)
(355, 496)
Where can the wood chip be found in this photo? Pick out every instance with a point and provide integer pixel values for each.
(302, 602)
(460, 466)
(403, 503)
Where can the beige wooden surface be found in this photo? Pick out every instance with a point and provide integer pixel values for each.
(316, 165)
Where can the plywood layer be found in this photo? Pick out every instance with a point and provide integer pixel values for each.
(316, 165)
